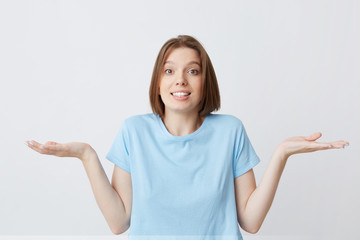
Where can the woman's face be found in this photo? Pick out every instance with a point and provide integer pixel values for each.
(181, 82)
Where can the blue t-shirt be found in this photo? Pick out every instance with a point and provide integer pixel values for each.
(183, 186)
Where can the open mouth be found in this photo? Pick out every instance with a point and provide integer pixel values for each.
(180, 94)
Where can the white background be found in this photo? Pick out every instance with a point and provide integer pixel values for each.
(74, 70)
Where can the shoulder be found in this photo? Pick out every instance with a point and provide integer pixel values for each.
(141, 120)
(225, 120)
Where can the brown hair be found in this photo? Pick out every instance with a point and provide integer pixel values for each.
(210, 100)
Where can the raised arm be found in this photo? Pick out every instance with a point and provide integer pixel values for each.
(108, 199)
(253, 203)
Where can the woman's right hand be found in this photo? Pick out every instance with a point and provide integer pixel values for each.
(71, 149)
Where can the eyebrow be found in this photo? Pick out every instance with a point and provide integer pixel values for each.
(190, 63)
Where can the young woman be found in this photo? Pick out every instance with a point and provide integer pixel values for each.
(183, 172)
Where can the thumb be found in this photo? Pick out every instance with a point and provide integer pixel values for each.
(313, 136)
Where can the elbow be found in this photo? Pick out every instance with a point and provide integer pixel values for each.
(251, 229)
(115, 232)
(119, 229)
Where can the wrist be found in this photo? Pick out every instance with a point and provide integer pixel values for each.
(87, 153)
(280, 151)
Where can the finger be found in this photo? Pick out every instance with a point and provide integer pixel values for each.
(34, 145)
(48, 145)
(43, 149)
(323, 146)
(339, 144)
(333, 145)
(51, 143)
(313, 136)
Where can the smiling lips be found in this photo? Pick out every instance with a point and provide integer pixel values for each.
(181, 95)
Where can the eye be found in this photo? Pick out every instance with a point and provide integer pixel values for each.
(168, 71)
(194, 71)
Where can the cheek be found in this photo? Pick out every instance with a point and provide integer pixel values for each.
(165, 83)
(163, 87)
(198, 85)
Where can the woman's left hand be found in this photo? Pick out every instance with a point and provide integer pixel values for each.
(296, 145)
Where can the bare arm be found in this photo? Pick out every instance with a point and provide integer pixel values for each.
(108, 199)
(253, 203)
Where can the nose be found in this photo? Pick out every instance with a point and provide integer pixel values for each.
(181, 83)
(181, 80)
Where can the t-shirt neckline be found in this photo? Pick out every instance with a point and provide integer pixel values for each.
(185, 137)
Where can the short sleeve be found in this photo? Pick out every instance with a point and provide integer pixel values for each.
(245, 157)
(119, 151)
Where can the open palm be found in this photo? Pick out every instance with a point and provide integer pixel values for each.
(71, 149)
(301, 144)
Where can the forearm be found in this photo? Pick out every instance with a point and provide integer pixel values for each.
(107, 198)
(261, 199)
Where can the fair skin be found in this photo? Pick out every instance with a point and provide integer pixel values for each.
(181, 73)
(181, 118)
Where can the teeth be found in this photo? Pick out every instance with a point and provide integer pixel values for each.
(179, 94)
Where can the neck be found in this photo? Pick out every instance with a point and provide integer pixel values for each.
(182, 124)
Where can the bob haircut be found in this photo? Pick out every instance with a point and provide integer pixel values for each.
(210, 100)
